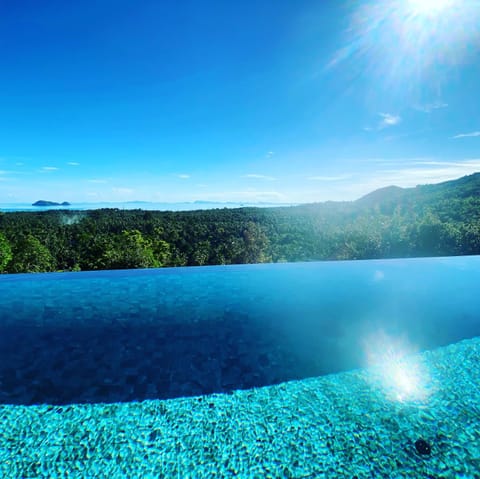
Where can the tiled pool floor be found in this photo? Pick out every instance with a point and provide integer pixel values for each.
(124, 336)
(344, 425)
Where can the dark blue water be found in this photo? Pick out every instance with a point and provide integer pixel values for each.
(132, 335)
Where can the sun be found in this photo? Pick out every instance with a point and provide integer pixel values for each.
(428, 7)
(411, 46)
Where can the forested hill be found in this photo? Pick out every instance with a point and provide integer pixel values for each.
(430, 220)
(468, 186)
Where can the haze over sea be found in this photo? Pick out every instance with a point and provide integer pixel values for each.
(133, 205)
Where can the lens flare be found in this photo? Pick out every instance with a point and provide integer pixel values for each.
(409, 46)
(429, 6)
(400, 374)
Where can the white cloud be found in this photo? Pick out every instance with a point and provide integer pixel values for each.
(49, 168)
(183, 177)
(73, 163)
(269, 154)
(429, 107)
(329, 178)
(98, 181)
(259, 177)
(466, 135)
(388, 120)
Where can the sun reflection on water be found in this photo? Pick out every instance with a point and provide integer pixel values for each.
(400, 374)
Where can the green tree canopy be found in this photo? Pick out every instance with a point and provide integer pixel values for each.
(129, 250)
(31, 256)
(5, 253)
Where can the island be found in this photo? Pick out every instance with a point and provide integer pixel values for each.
(50, 203)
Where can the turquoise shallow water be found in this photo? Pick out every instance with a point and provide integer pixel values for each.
(290, 370)
(343, 425)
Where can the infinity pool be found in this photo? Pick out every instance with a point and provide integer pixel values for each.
(289, 370)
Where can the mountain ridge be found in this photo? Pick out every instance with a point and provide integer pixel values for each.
(464, 186)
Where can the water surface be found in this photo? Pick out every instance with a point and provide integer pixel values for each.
(118, 336)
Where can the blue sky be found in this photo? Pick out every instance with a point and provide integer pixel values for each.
(235, 101)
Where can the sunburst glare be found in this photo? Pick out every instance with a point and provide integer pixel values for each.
(429, 7)
(410, 43)
(400, 374)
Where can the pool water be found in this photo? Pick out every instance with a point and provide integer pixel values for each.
(287, 370)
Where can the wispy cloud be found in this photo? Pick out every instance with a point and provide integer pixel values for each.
(429, 107)
(183, 177)
(259, 177)
(432, 173)
(444, 163)
(418, 173)
(378, 173)
(49, 168)
(123, 191)
(6, 176)
(73, 163)
(97, 181)
(269, 154)
(466, 135)
(329, 178)
(388, 120)
(246, 196)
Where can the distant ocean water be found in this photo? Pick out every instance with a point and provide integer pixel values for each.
(133, 205)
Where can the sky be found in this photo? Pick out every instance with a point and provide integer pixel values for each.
(259, 100)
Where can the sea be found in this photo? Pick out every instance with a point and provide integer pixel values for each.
(142, 205)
